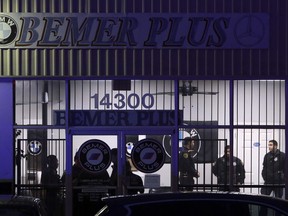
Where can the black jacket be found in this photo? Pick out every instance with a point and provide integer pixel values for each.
(186, 164)
(221, 169)
(135, 182)
(273, 167)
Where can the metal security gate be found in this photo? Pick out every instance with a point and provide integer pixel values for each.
(33, 157)
(204, 153)
(244, 114)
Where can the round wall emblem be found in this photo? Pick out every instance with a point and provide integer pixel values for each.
(8, 29)
(193, 134)
(249, 31)
(148, 155)
(94, 156)
(195, 145)
(34, 147)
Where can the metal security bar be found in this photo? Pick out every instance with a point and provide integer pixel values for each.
(36, 101)
(40, 167)
(31, 157)
(259, 117)
(247, 118)
(204, 102)
(200, 63)
(203, 153)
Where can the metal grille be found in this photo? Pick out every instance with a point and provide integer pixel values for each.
(204, 102)
(31, 159)
(259, 102)
(245, 114)
(269, 62)
(204, 152)
(36, 100)
(259, 116)
(256, 116)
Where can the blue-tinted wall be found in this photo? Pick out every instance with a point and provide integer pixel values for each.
(6, 137)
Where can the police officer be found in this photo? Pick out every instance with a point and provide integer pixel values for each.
(186, 165)
(51, 181)
(221, 169)
(133, 182)
(273, 170)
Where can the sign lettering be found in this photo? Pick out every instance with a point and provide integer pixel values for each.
(117, 117)
(93, 31)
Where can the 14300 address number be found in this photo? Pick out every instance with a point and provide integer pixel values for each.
(120, 101)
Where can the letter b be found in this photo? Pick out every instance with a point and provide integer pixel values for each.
(29, 34)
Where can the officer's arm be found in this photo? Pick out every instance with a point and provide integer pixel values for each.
(241, 172)
(215, 168)
(264, 169)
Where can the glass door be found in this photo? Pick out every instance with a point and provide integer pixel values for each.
(91, 171)
(124, 162)
(147, 164)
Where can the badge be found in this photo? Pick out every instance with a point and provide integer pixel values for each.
(185, 155)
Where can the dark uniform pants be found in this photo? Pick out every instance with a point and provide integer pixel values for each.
(268, 190)
(186, 181)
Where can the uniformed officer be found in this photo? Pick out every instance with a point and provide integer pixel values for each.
(186, 165)
(51, 181)
(221, 169)
(273, 170)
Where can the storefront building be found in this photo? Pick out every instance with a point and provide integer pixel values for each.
(89, 76)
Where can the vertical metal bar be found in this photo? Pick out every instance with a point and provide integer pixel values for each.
(156, 87)
(75, 84)
(18, 161)
(69, 148)
(22, 105)
(121, 162)
(251, 123)
(266, 117)
(175, 141)
(259, 136)
(231, 131)
(29, 103)
(197, 99)
(286, 137)
(274, 103)
(88, 92)
(44, 105)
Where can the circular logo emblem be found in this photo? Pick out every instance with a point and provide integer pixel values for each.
(94, 156)
(148, 155)
(193, 134)
(249, 31)
(195, 145)
(34, 147)
(8, 29)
